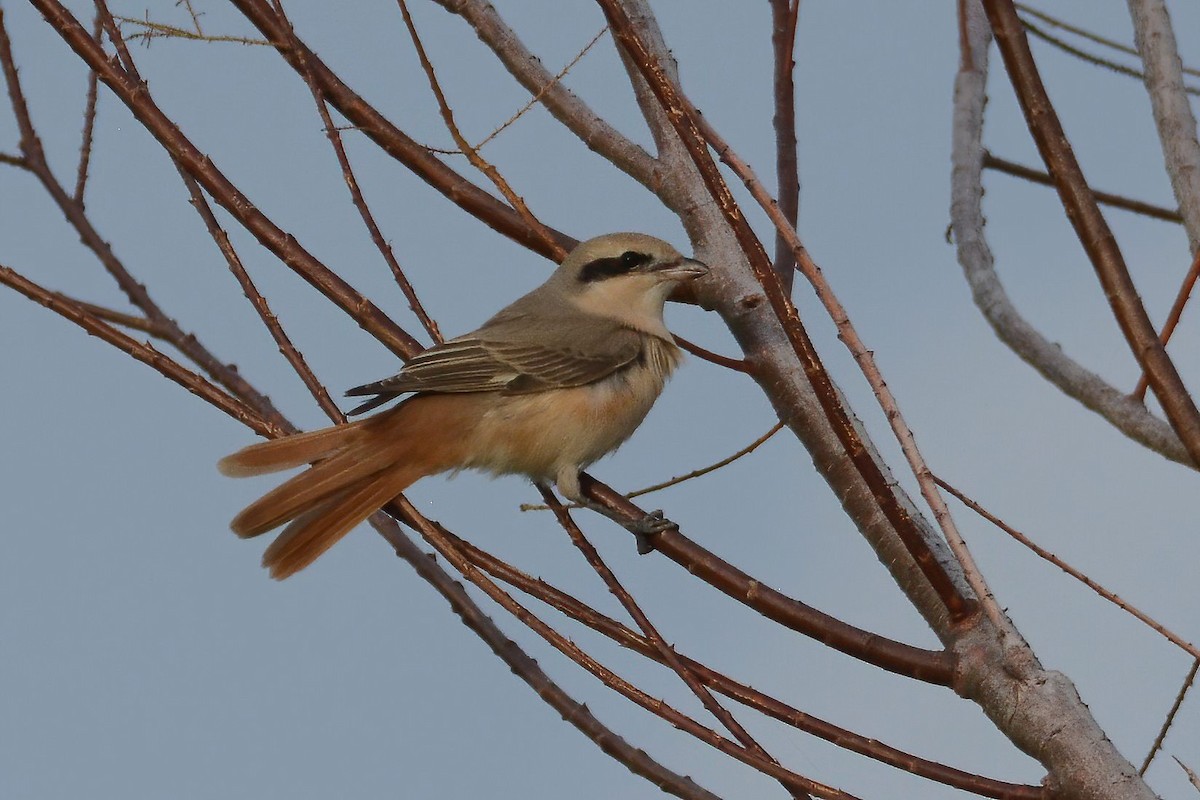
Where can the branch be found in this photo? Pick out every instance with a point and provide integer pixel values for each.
(678, 111)
(865, 359)
(1046, 555)
(746, 695)
(1181, 300)
(563, 105)
(1172, 109)
(1115, 200)
(784, 16)
(141, 351)
(966, 213)
(926, 665)
(1188, 681)
(436, 536)
(1093, 232)
(89, 124)
(525, 668)
(136, 97)
(665, 652)
(557, 251)
(391, 139)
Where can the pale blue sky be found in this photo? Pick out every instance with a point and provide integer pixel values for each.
(146, 654)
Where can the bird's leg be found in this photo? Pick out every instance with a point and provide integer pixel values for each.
(645, 529)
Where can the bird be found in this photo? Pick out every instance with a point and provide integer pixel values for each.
(546, 387)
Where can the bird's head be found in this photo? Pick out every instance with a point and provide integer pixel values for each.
(627, 276)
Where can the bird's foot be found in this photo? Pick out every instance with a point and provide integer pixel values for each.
(648, 528)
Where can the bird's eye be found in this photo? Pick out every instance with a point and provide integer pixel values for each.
(630, 259)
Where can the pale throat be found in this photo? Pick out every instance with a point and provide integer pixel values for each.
(631, 302)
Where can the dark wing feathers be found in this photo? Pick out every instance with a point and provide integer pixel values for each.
(502, 356)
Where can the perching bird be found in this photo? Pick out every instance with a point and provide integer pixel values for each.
(546, 387)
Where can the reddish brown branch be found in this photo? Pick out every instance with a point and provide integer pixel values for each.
(1181, 300)
(784, 16)
(1093, 232)
(89, 125)
(666, 654)
(1046, 555)
(436, 536)
(524, 667)
(1188, 680)
(1107, 198)
(136, 97)
(557, 251)
(738, 364)
(392, 140)
(140, 351)
(926, 665)
(746, 695)
(678, 111)
(167, 328)
(360, 202)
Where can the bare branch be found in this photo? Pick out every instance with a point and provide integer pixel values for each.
(392, 140)
(557, 251)
(1181, 300)
(784, 16)
(1115, 200)
(524, 667)
(903, 659)
(1046, 555)
(1173, 115)
(562, 104)
(89, 124)
(169, 368)
(966, 213)
(1089, 224)
(1191, 773)
(679, 111)
(666, 653)
(1188, 682)
(137, 98)
(746, 695)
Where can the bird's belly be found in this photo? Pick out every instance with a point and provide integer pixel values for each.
(540, 434)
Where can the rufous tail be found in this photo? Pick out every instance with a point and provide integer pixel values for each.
(355, 469)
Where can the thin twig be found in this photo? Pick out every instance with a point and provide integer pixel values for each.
(665, 651)
(1181, 300)
(737, 364)
(141, 351)
(1192, 776)
(157, 30)
(1115, 200)
(131, 321)
(89, 124)
(15, 161)
(477, 161)
(537, 97)
(1086, 34)
(1188, 681)
(724, 462)
(1045, 554)
(1091, 58)
(356, 196)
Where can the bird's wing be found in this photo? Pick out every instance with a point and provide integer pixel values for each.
(512, 359)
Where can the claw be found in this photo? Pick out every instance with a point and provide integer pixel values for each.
(648, 527)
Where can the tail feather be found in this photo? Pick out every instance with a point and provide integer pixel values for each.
(311, 487)
(289, 452)
(319, 528)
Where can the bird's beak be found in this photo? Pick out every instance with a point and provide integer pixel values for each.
(684, 270)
